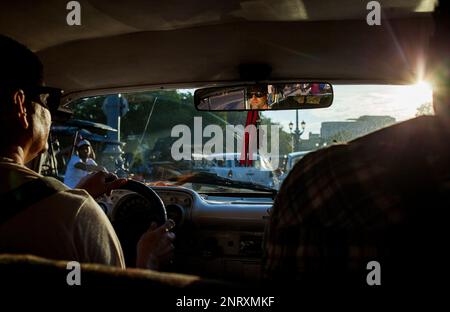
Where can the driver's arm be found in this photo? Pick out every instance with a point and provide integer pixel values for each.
(155, 246)
(99, 183)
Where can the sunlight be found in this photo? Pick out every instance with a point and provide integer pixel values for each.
(409, 98)
(426, 6)
(352, 101)
(424, 87)
(419, 93)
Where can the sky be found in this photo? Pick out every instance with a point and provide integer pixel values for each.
(353, 101)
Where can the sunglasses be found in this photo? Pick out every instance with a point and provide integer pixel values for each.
(48, 97)
(258, 94)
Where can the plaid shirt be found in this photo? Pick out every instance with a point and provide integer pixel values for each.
(343, 206)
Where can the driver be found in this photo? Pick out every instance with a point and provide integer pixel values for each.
(42, 216)
(257, 97)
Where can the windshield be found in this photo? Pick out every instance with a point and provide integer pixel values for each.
(162, 139)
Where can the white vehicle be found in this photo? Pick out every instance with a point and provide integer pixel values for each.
(227, 165)
(292, 159)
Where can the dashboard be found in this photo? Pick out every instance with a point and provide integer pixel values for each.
(217, 236)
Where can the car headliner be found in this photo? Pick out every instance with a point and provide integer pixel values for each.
(135, 44)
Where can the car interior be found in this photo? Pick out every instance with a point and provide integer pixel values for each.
(177, 69)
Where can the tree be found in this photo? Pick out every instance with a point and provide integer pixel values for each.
(89, 109)
(425, 109)
(164, 109)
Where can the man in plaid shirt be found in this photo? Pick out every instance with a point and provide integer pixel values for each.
(383, 197)
(339, 206)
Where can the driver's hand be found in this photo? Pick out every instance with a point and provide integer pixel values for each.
(99, 183)
(155, 247)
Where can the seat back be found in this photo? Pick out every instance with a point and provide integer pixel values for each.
(36, 273)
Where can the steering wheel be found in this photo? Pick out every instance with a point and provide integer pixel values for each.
(133, 214)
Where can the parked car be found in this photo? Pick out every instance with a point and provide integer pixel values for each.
(228, 165)
(292, 159)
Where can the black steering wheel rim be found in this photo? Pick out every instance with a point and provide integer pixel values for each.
(130, 222)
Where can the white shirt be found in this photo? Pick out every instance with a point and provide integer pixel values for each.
(74, 175)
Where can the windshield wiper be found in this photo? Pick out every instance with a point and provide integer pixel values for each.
(214, 179)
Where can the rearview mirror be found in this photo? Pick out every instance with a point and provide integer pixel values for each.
(280, 96)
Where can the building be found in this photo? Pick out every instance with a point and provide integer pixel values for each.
(314, 142)
(343, 131)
